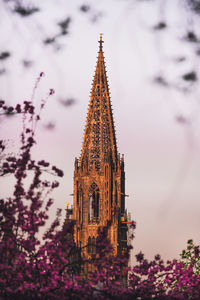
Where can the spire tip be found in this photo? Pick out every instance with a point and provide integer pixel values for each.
(101, 41)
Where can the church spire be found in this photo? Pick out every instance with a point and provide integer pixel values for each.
(99, 141)
(99, 177)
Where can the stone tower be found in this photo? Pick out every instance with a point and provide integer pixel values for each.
(99, 178)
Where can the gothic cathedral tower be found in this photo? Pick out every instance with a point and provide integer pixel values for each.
(99, 178)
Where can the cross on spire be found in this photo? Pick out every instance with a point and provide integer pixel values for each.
(101, 42)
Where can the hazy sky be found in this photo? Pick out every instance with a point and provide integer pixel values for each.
(161, 155)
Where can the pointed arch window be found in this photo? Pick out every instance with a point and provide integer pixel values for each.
(116, 198)
(91, 245)
(93, 203)
(77, 193)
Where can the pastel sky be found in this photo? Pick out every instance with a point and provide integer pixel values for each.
(162, 161)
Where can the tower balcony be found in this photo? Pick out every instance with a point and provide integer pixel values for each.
(93, 220)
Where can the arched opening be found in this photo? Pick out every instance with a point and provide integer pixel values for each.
(93, 215)
(91, 245)
(116, 198)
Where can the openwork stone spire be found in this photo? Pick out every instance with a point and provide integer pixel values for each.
(99, 141)
(99, 176)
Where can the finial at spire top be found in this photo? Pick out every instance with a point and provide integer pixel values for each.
(101, 41)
